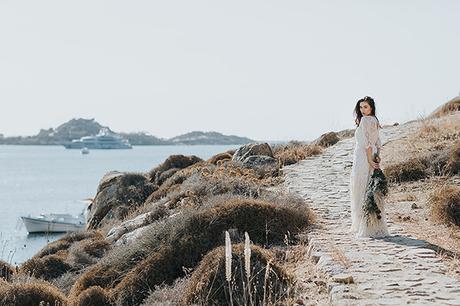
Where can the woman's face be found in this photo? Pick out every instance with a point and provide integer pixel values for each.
(365, 108)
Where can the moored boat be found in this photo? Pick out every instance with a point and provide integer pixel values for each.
(53, 223)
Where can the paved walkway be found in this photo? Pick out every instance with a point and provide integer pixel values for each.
(364, 271)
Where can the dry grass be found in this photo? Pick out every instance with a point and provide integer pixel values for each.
(447, 108)
(6, 270)
(176, 162)
(445, 204)
(432, 150)
(208, 284)
(94, 296)
(173, 183)
(221, 157)
(191, 186)
(181, 241)
(47, 267)
(294, 152)
(22, 294)
(453, 163)
(265, 222)
(411, 170)
(167, 295)
(340, 256)
(65, 242)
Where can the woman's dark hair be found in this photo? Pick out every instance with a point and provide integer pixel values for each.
(357, 111)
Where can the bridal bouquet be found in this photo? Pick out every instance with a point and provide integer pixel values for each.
(376, 190)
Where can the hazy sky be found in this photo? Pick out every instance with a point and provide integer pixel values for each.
(268, 70)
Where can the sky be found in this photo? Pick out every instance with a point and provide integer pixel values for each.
(267, 70)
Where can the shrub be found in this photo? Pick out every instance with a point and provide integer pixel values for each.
(184, 243)
(173, 182)
(294, 152)
(219, 158)
(410, 170)
(22, 294)
(94, 296)
(453, 163)
(199, 186)
(65, 242)
(208, 284)
(47, 267)
(6, 270)
(166, 295)
(173, 161)
(95, 248)
(445, 204)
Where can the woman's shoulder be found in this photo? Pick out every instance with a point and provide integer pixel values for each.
(369, 118)
(368, 121)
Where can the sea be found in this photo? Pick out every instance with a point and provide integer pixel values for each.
(52, 179)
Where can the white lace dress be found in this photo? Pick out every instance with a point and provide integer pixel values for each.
(366, 135)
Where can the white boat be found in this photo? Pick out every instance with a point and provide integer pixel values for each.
(105, 139)
(85, 150)
(53, 223)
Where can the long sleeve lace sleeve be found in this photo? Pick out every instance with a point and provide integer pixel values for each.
(371, 133)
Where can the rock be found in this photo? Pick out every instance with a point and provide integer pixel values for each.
(116, 194)
(414, 206)
(116, 232)
(346, 133)
(132, 236)
(248, 150)
(343, 278)
(327, 140)
(260, 161)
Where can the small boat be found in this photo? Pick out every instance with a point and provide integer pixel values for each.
(53, 223)
(85, 150)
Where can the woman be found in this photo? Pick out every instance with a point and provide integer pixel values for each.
(367, 144)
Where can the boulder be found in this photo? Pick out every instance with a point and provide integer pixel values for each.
(327, 139)
(346, 133)
(257, 161)
(127, 226)
(251, 149)
(116, 194)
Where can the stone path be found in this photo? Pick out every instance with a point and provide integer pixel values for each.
(363, 271)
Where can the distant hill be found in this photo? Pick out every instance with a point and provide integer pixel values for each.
(144, 139)
(209, 138)
(77, 128)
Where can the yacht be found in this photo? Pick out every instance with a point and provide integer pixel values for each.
(103, 140)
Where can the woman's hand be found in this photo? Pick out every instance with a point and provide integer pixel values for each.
(377, 159)
(374, 164)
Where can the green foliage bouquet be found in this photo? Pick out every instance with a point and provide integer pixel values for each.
(377, 188)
